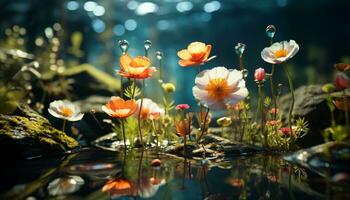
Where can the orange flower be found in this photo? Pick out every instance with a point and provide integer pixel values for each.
(196, 53)
(120, 187)
(183, 127)
(138, 67)
(342, 66)
(340, 104)
(118, 107)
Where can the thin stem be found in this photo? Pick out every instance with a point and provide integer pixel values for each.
(139, 115)
(123, 130)
(160, 69)
(274, 99)
(346, 112)
(203, 126)
(291, 87)
(241, 62)
(64, 125)
(134, 88)
(121, 87)
(261, 107)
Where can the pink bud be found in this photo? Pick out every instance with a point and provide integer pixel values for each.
(182, 107)
(341, 81)
(286, 130)
(259, 74)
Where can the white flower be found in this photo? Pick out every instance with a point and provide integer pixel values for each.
(218, 87)
(65, 110)
(150, 109)
(280, 52)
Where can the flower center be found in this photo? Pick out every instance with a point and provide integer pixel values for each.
(66, 112)
(218, 89)
(280, 53)
(144, 113)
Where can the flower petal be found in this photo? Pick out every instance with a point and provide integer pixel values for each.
(184, 54)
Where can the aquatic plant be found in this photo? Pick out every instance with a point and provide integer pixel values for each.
(121, 109)
(338, 132)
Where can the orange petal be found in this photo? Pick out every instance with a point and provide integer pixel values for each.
(125, 61)
(207, 53)
(186, 63)
(196, 47)
(184, 54)
(142, 61)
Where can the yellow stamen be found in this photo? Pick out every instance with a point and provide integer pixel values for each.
(218, 89)
(280, 53)
(67, 112)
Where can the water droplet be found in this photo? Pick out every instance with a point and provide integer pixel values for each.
(245, 73)
(123, 45)
(270, 31)
(159, 55)
(147, 44)
(239, 48)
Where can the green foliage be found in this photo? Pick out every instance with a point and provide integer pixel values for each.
(336, 132)
(267, 102)
(168, 105)
(131, 129)
(132, 91)
(9, 99)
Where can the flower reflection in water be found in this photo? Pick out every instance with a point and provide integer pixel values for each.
(65, 185)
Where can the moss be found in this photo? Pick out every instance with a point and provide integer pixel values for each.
(38, 132)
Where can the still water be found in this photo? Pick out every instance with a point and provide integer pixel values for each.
(97, 174)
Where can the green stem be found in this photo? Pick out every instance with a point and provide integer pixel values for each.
(274, 99)
(291, 87)
(261, 107)
(64, 125)
(346, 112)
(134, 88)
(121, 87)
(241, 62)
(160, 69)
(123, 130)
(203, 126)
(139, 115)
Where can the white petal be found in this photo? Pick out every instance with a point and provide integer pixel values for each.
(234, 77)
(55, 113)
(202, 79)
(218, 72)
(76, 117)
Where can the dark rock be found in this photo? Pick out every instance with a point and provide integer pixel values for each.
(331, 157)
(311, 104)
(89, 81)
(216, 146)
(28, 134)
(93, 126)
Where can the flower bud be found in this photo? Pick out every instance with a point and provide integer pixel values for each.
(341, 81)
(259, 75)
(168, 87)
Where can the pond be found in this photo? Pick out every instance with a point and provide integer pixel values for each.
(100, 174)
